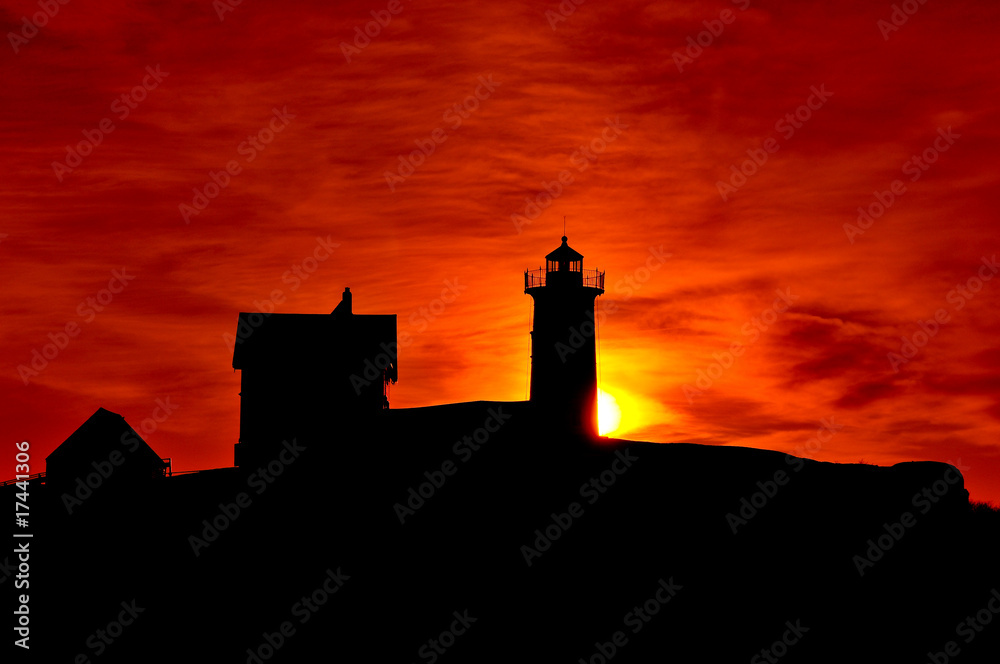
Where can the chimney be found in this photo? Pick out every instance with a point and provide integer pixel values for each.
(344, 308)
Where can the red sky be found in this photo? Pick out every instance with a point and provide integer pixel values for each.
(887, 95)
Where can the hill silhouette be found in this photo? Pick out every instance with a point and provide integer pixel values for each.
(625, 540)
(490, 531)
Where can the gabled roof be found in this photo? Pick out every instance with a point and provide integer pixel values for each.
(103, 432)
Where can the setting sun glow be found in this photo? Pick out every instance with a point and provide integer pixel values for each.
(609, 415)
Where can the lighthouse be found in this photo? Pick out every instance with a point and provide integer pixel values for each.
(563, 340)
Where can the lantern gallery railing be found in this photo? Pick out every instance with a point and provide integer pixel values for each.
(589, 278)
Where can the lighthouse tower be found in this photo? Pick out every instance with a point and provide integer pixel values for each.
(563, 340)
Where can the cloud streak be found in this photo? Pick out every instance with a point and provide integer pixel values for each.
(656, 184)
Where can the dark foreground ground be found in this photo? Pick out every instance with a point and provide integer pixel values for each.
(632, 551)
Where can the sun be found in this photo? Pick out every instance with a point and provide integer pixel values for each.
(609, 415)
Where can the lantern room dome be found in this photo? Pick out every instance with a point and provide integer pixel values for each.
(563, 268)
(565, 254)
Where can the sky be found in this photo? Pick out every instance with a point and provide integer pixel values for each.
(794, 204)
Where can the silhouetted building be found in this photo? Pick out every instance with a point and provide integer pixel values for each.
(563, 348)
(104, 451)
(457, 517)
(303, 373)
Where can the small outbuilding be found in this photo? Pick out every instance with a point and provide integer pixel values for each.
(104, 451)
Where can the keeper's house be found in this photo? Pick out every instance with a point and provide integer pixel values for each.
(306, 374)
